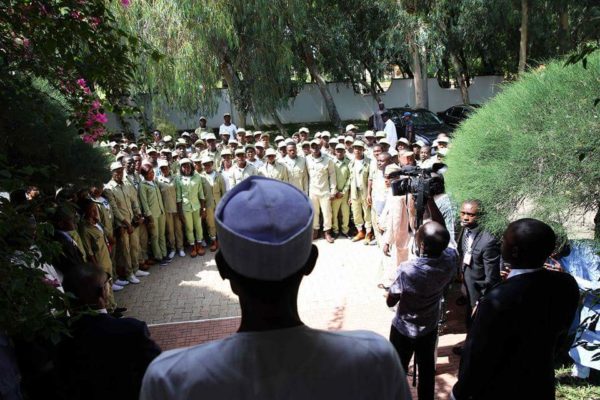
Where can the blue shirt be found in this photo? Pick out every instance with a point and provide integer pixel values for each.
(420, 283)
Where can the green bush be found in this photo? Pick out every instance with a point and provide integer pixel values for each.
(536, 142)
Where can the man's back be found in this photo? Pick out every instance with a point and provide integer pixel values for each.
(293, 363)
(509, 351)
(106, 357)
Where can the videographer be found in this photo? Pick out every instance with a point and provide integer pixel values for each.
(418, 290)
(410, 205)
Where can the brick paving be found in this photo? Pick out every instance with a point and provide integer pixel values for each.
(187, 302)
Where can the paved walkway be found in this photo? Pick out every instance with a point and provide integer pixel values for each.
(188, 303)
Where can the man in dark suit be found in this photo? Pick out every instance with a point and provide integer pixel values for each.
(510, 347)
(106, 357)
(71, 253)
(480, 255)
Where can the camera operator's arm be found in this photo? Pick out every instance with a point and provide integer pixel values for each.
(394, 293)
(434, 212)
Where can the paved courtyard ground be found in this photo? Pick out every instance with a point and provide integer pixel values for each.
(187, 302)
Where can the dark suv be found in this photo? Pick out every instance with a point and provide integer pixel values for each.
(426, 125)
(456, 114)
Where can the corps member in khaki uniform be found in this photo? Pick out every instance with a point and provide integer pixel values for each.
(95, 243)
(120, 201)
(212, 151)
(173, 224)
(154, 211)
(139, 242)
(340, 203)
(227, 169)
(242, 169)
(296, 166)
(359, 182)
(322, 188)
(190, 203)
(273, 169)
(214, 189)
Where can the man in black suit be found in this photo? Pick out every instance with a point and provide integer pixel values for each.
(71, 253)
(510, 347)
(106, 357)
(480, 255)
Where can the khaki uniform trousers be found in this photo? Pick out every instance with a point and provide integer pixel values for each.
(324, 204)
(125, 264)
(157, 237)
(174, 231)
(143, 239)
(337, 206)
(210, 222)
(135, 249)
(193, 227)
(361, 212)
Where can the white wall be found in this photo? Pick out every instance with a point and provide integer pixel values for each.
(309, 106)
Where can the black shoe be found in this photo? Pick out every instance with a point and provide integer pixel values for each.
(458, 350)
(335, 234)
(164, 261)
(121, 310)
(347, 235)
(117, 314)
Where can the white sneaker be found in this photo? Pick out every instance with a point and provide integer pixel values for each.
(116, 288)
(141, 273)
(121, 282)
(171, 255)
(133, 279)
(181, 253)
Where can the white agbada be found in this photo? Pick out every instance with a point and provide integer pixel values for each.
(390, 134)
(293, 363)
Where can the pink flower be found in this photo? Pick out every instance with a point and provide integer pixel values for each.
(101, 118)
(82, 83)
(94, 22)
(89, 123)
(87, 138)
(125, 3)
(96, 105)
(87, 90)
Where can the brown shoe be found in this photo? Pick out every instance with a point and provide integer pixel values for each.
(144, 267)
(328, 237)
(359, 236)
(200, 249)
(368, 239)
(193, 252)
(315, 234)
(149, 262)
(214, 245)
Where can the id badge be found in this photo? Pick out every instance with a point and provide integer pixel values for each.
(467, 259)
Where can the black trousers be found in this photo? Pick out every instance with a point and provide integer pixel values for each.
(424, 350)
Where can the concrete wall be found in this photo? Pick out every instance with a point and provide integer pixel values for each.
(308, 106)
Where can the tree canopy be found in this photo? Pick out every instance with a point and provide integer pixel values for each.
(535, 145)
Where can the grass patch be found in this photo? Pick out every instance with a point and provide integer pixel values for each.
(569, 388)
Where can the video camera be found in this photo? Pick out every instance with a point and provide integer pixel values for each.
(417, 182)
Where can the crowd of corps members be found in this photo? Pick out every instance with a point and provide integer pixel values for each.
(161, 200)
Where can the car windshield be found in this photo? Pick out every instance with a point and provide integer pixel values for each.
(425, 118)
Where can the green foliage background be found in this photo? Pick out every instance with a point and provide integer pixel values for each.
(538, 141)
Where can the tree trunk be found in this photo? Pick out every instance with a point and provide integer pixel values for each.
(239, 117)
(313, 69)
(419, 69)
(523, 42)
(565, 42)
(278, 122)
(460, 78)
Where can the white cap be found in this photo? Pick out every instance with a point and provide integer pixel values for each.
(270, 152)
(289, 142)
(250, 233)
(163, 163)
(443, 139)
(259, 144)
(420, 143)
(340, 146)
(165, 150)
(167, 138)
(240, 130)
(349, 139)
(303, 130)
(210, 136)
(384, 141)
(115, 165)
(351, 127)
(404, 140)
(358, 143)
(185, 161)
(185, 134)
(380, 134)
(391, 168)
(233, 141)
(151, 150)
(325, 134)
(239, 151)
(281, 144)
(369, 134)
(279, 138)
(206, 160)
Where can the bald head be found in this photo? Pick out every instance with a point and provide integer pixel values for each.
(527, 243)
(432, 239)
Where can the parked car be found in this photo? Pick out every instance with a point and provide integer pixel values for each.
(456, 114)
(426, 124)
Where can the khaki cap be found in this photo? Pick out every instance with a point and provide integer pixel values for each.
(391, 168)
(163, 163)
(115, 166)
(358, 143)
(206, 160)
(303, 130)
(226, 152)
(380, 134)
(240, 151)
(185, 161)
(340, 147)
(351, 127)
(270, 152)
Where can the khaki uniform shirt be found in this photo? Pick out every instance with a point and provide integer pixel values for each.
(214, 188)
(359, 180)
(151, 199)
(215, 155)
(119, 198)
(321, 173)
(189, 191)
(342, 175)
(274, 171)
(239, 174)
(107, 218)
(297, 172)
(95, 244)
(168, 190)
